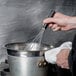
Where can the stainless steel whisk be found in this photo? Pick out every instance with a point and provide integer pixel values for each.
(39, 36)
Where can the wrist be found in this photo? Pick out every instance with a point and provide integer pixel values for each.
(72, 22)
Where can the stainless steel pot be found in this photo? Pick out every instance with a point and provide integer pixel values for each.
(26, 61)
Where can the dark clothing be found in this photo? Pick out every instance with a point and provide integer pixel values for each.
(72, 58)
(63, 72)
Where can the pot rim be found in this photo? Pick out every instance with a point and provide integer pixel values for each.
(27, 53)
(24, 44)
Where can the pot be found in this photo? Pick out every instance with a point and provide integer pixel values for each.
(27, 61)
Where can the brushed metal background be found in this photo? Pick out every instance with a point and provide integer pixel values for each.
(21, 20)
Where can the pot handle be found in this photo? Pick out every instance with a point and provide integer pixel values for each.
(42, 63)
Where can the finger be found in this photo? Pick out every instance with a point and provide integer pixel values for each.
(54, 26)
(67, 68)
(56, 29)
(65, 65)
(50, 25)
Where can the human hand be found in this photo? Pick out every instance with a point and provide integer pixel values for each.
(62, 58)
(61, 22)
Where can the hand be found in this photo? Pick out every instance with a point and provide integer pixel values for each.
(62, 58)
(61, 22)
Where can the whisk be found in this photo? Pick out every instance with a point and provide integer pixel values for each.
(39, 36)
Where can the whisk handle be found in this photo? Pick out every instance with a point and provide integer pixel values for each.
(50, 15)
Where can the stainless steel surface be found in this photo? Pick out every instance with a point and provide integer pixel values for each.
(26, 66)
(26, 49)
(33, 65)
